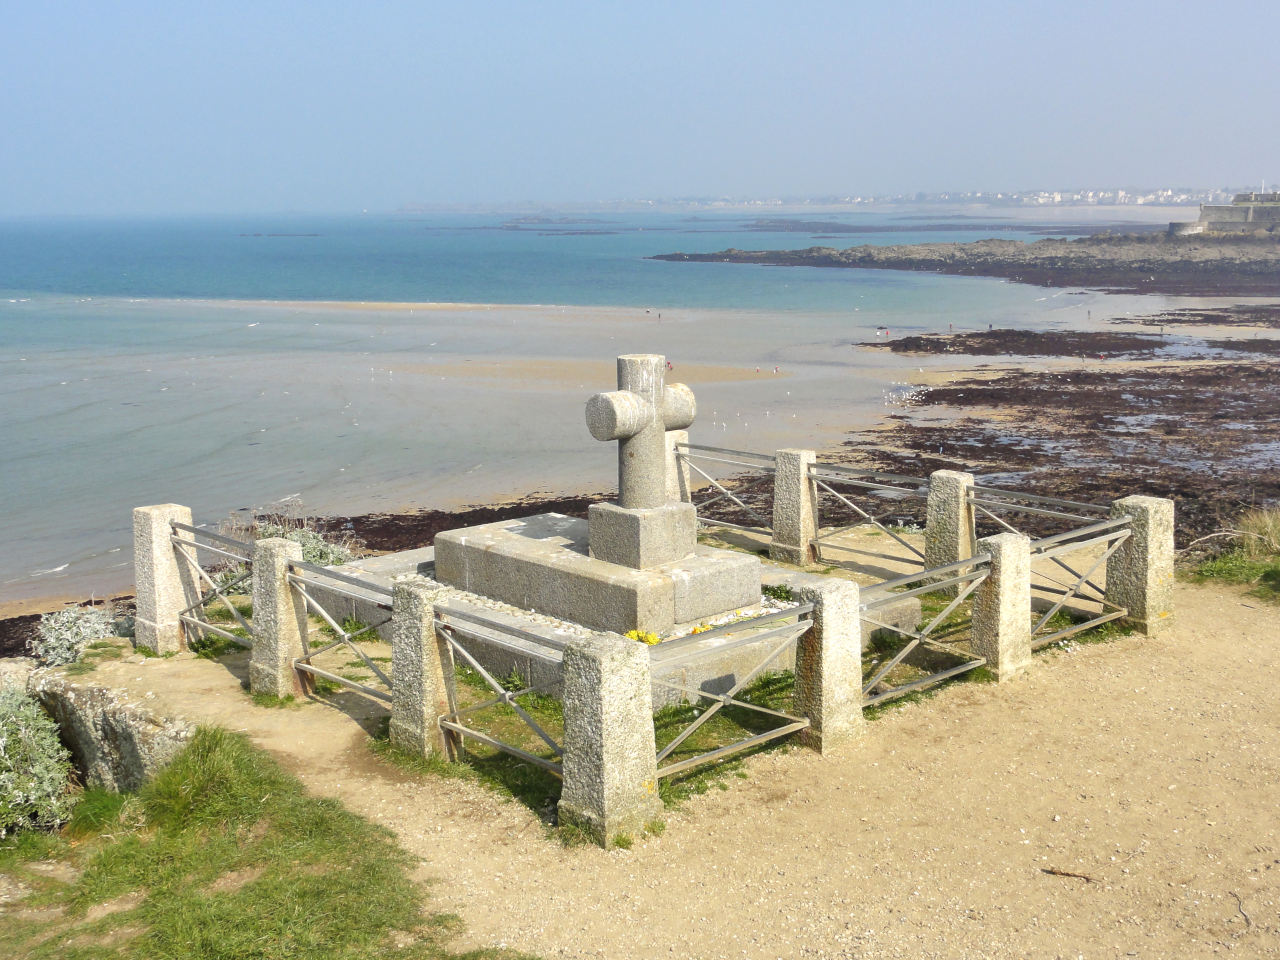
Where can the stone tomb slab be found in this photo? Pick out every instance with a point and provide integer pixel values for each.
(543, 563)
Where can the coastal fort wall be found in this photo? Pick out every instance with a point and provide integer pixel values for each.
(1248, 213)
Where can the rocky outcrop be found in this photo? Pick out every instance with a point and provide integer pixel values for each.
(114, 743)
(1206, 266)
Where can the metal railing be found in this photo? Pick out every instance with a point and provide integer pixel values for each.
(824, 475)
(759, 463)
(1106, 535)
(774, 636)
(236, 557)
(306, 579)
(965, 576)
(458, 627)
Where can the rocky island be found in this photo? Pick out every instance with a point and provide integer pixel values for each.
(1196, 265)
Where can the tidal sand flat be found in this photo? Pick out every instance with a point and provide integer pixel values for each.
(358, 408)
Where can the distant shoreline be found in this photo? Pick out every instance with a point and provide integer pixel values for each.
(1134, 264)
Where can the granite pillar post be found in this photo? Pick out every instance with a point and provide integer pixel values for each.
(165, 584)
(279, 620)
(949, 526)
(422, 679)
(1002, 606)
(1140, 572)
(795, 508)
(610, 759)
(828, 684)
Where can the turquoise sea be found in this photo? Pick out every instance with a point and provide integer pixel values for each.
(188, 361)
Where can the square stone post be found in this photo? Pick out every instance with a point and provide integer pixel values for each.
(795, 508)
(1002, 606)
(828, 687)
(678, 489)
(422, 679)
(948, 531)
(610, 758)
(279, 620)
(164, 582)
(1140, 572)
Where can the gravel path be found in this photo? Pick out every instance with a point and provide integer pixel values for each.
(1151, 767)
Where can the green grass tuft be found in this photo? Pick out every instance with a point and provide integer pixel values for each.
(228, 857)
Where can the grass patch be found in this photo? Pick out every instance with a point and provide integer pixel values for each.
(272, 701)
(1260, 573)
(539, 789)
(225, 856)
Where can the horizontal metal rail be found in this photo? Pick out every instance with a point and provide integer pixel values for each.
(693, 656)
(868, 484)
(1078, 628)
(225, 634)
(336, 590)
(832, 545)
(799, 610)
(1044, 543)
(720, 752)
(218, 537)
(1023, 508)
(210, 548)
(537, 761)
(733, 526)
(467, 617)
(1072, 546)
(975, 561)
(874, 475)
(340, 577)
(1037, 498)
(733, 453)
(343, 681)
(504, 642)
(924, 682)
(891, 598)
(761, 467)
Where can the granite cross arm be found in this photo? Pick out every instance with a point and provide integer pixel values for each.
(637, 415)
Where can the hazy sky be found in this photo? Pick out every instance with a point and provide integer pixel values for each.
(171, 107)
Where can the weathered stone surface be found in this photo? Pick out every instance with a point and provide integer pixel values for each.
(644, 538)
(1140, 572)
(610, 758)
(711, 582)
(114, 743)
(165, 584)
(422, 677)
(638, 414)
(279, 619)
(540, 563)
(678, 488)
(1002, 606)
(828, 685)
(949, 532)
(14, 671)
(795, 514)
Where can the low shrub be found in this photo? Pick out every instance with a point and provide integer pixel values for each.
(315, 548)
(62, 635)
(1261, 529)
(35, 769)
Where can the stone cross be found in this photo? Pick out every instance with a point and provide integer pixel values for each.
(638, 414)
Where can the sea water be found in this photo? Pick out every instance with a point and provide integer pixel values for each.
(178, 361)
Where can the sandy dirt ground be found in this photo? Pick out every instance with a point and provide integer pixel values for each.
(1149, 766)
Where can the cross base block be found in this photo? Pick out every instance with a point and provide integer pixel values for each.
(642, 538)
(541, 563)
